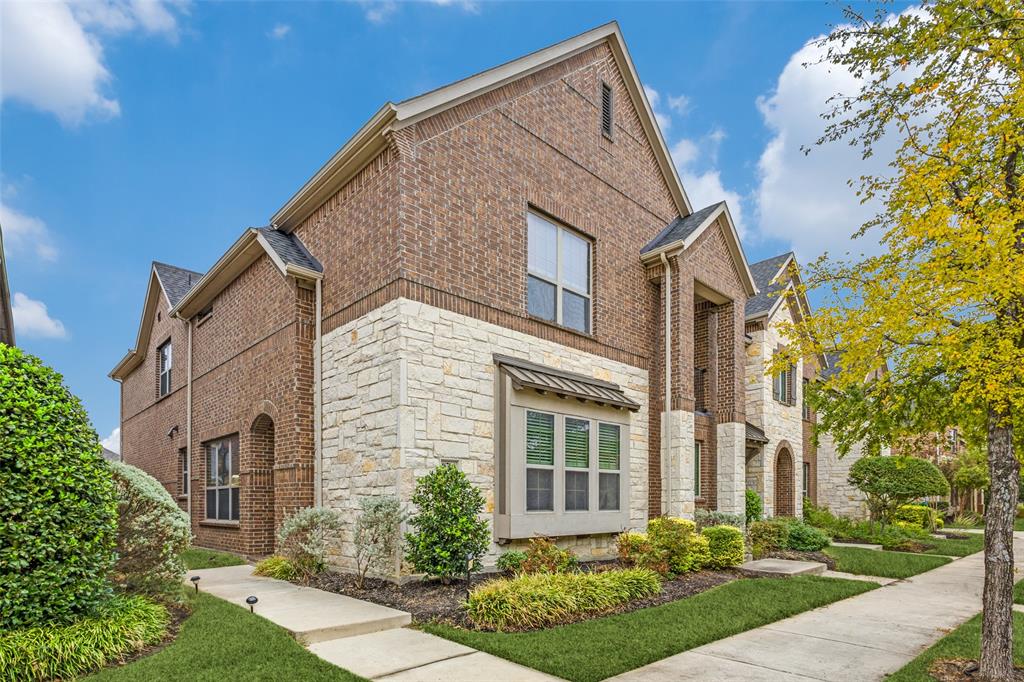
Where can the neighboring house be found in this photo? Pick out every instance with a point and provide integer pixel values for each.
(504, 274)
(939, 447)
(110, 455)
(6, 313)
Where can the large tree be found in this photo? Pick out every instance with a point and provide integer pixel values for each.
(936, 320)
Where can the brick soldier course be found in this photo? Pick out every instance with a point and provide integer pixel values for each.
(357, 342)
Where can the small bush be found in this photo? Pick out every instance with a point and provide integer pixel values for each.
(378, 531)
(511, 562)
(804, 538)
(276, 567)
(636, 549)
(1020, 511)
(122, 625)
(58, 513)
(706, 519)
(968, 519)
(546, 599)
(919, 516)
(754, 506)
(768, 536)
(544, 556)
(306, 536)
(449, 531)
(684, 549)
(725, 545)
(152, 533)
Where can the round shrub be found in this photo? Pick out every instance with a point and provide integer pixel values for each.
(511, 562)
(636, 549)
(544, 556)
(449, 531)
(725, 545)
(804, 538)
(889, 482)
(121, 625)
(152, 532)
(545, 599)
(684, 549)
(755, 507)
(768, 536)
(919, 516)
(57, 504)
(276, 567)
(305, 537)
(705, 519)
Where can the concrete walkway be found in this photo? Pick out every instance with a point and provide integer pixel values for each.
(861, 638)
(364, 638)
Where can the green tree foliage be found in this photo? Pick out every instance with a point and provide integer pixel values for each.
(449, 533)
(889, 482)
(57, 503)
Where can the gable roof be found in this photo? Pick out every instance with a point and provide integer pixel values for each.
(6, 313)
(682, 232)
(175, 281)
(767, 276)
(371, 138)
(288, 249)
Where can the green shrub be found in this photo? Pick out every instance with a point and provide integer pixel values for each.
(511, 562)
(754, 507)
(306, 536)
(152, 532)
(636, 549)
(804, 538)
(725, 544)
(767, 536)
(545, 599)
(919, 516)
(276, 567)
(377, 535)
(449, 531)
(122, 625)
(968, 519)
(889, 482)
(684, 549)
(544, 556)
(1020, 511)
(705, 519)
(57, 504)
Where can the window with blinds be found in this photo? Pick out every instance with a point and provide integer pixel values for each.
(577, 464)
(540, 461)
(609, 443)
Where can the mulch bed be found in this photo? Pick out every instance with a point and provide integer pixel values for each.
(820, 557)
(962, 670)
(431, 601)
(954, 534)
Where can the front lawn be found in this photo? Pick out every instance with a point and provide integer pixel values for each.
(881, 563)
(970, 545)
(596, 649)
(221, 641)
(964, 642)
(199, 557)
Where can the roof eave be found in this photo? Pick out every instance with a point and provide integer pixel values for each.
(239, 256)
(132, 358)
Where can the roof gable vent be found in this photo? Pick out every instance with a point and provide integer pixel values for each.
(606, 109)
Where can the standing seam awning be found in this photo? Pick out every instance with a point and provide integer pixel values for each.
(755, 434)
(526, 374)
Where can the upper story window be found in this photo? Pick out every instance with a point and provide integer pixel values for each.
(222, 479)
(807, 407)
(558, 284)
(165, 360)
(607, 111)
(783, 386)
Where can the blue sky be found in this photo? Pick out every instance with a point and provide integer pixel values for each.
(130, 133)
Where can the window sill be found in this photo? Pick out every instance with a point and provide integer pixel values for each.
(561, 327)
(214, 523)
(183, 497)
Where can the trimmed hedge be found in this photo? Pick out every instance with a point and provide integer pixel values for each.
(57, 504)
(780, 533)
(544, 599)
(919, 516)
(276, 567)
(152, 533)
(121, 626)
(725, 544)
(685, 549)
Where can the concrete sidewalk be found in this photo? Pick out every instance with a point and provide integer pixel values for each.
(861, 638)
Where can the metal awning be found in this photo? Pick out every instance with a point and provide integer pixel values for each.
(526, 374)
(755, 434)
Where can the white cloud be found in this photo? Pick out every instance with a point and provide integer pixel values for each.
(279, 31)
(684, 152)
(31, 319)
(679, 105)
(51, 53)
(26, 234)
(696, 161)
(654, 99)
(379, 11)
(802, 198)
(464, 5)
(113, 441)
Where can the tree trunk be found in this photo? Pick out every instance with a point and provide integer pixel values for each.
(997, 618)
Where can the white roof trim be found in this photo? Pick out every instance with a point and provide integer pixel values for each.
(355, 153)
(145, 330)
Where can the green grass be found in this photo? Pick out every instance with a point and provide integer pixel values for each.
(1018, 593)
(596, 649)
(974, 543)
(221, 641)
(198, 557)
(881, 563)
(964, 642)
(1018, 524)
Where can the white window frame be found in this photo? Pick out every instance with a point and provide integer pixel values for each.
(233, 481)
(697, 447)
(617, 472)
(185, 466)
(164, 368)
(806, 475)
(558, 283)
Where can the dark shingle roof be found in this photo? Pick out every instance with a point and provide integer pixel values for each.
(764, 272)
(289, 249)
(833, 365)
(680, 228)
(176, 281)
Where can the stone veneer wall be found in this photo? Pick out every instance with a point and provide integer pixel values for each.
(409, 386)
(834, 491)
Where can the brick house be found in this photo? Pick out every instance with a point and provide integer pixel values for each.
(505, 274)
